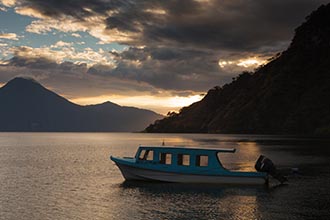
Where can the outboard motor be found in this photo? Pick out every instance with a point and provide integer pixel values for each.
(264, 164)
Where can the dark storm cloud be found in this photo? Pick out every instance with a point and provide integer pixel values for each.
(75, 8)
(182, 40)
(231, 25)
(224, 24)
(159, 53)
(39, 63)
(43, 63)
(178, 70)
(69, 78)
(167, 68)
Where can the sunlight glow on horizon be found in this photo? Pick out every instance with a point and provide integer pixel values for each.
(246, 63)
(160, 105)
(254, 61)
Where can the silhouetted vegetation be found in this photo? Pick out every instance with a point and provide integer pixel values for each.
(289, 95)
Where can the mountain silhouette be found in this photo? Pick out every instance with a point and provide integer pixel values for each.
(28, 106)
(289, 95)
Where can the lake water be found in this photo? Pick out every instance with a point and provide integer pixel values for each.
(70, 176)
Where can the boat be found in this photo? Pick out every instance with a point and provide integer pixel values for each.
(188, 165)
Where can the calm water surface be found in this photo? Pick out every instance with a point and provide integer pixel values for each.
(70, 176)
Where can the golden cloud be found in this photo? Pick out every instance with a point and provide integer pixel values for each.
(67, 52)
(9, 36)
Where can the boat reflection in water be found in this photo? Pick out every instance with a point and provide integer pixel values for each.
(160, 200)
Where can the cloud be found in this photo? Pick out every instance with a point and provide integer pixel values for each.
(168, 68)
(228, 24)
(73, 82)
(151, 68)
(68, 78)
(9, 36)
(76, 35)
(255, 26)
(66, 52)
(175, 46)
(60, 44)
(29, 11)
(8, 3)
(191, 32)
(164, 68)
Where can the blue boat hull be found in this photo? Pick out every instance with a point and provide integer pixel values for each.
(137, 173)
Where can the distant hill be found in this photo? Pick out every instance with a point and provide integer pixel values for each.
(25, 105)
(289, 95)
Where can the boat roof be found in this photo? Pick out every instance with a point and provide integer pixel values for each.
(174, 148)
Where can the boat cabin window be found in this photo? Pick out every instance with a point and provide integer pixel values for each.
(184, 159)
(165, 158)
(202, 160)
(146, 155)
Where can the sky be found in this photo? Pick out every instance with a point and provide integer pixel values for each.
(154, 54)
